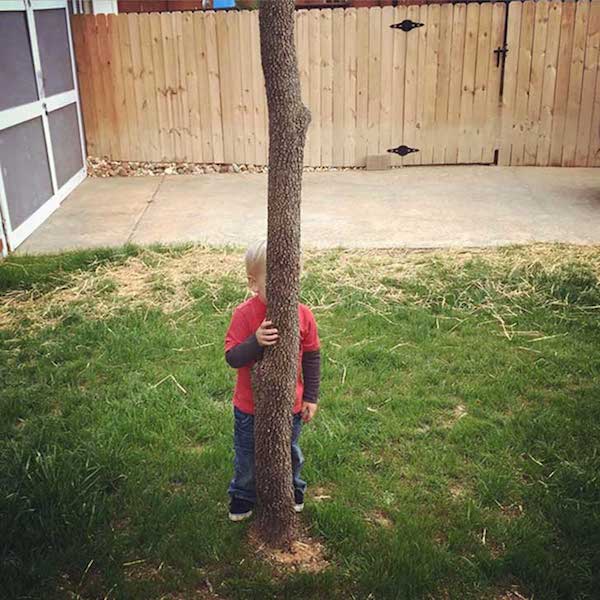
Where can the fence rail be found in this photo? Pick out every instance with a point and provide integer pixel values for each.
(189, 86)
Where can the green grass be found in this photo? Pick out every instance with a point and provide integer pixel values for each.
(459, 403)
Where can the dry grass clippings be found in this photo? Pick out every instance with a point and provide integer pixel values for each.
(380, 518)
(512, 593)
(150, 279)
(164, 280)
(458, 412)
(456, 490)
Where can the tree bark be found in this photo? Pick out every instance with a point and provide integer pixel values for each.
(274, 377)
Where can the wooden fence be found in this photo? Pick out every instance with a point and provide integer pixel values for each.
(189, 86)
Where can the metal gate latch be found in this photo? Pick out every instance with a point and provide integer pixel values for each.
(403, 150)
(406, 25)
(501, 52)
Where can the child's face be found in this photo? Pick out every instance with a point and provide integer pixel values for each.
(257, 283)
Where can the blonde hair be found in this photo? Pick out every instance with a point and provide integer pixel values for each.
(256, 257)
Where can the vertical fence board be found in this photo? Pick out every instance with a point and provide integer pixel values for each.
(202, 89)
(523, 75)
(258, 92)
(421, 40)
(593, 158)
(590, 69)
(178, 91)
(575, 83)
(410, 87)
(430, 75)
(594, 152)
(214, 87)
(468, 83)
(143, 122)
(398, 78)
(362, 85)
(479, 145)
(149, 105)
(92, 38)
(302, 25)
(84, 65)
(247, 87)
(191, 46)
(314, 41)
(374, 93)
(183, 127)
(239, 123)
(536, 82)
(515, 13)
(440, 127)
(349, 122)
(121, 133)
(104, 57)
(171, 81)
(225, 60)
(493, 105)
(548, 85)
(183, 94)
(338, 87)
(387, 45)
(326, 88)
(136, 141)
(459, 23)
(164, 137)
(562, 82)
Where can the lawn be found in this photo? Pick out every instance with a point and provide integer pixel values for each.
(456, 453)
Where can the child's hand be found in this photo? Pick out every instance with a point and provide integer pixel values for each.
(308, 411)
(265, 335)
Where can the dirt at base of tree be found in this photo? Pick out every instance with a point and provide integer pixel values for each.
(307, 555)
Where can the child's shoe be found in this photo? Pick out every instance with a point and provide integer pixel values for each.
(240, 509)
(298, 500)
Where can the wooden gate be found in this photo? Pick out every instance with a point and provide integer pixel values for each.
(450, 92)
(371, 87)
(551, 100)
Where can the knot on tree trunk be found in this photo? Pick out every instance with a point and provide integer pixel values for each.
(303, 121)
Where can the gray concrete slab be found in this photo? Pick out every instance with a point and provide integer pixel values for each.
(411, 207)
(100, 212)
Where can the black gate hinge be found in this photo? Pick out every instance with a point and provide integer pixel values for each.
(403, 150)
(406, 25)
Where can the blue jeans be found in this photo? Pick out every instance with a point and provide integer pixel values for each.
(243, 483)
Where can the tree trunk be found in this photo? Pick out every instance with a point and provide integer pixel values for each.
(274, 377)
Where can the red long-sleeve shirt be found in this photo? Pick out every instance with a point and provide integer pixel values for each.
(246, 319)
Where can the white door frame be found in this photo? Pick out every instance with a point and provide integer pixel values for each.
(3, 225)
(41, 108)
(4, 251)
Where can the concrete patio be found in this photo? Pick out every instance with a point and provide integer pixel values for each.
(411, 207)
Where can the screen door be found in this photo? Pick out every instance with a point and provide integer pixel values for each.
(42, 156)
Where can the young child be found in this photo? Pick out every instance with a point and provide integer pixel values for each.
(245, 340)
